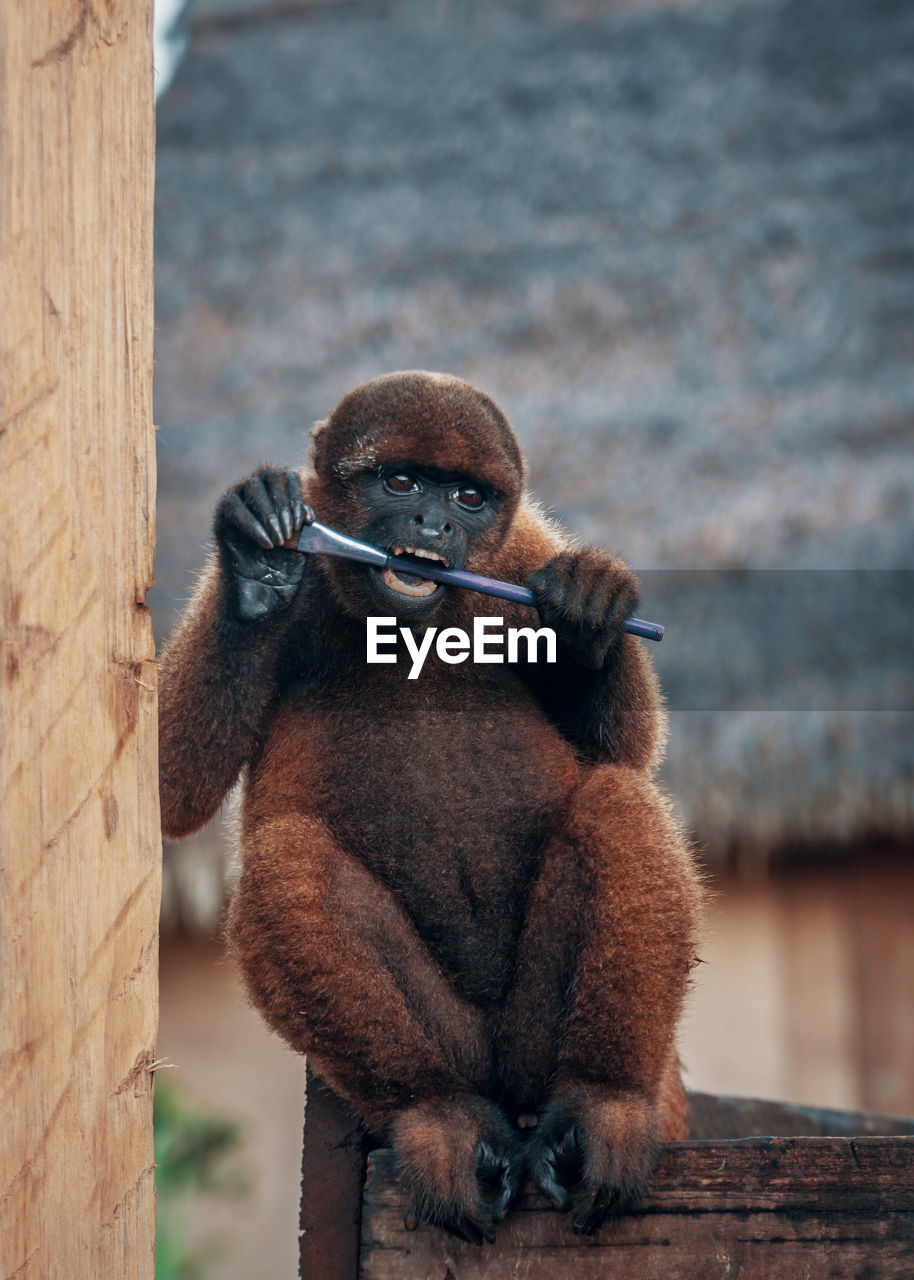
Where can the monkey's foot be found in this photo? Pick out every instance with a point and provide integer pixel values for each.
(463, 1162)
(592, 1152)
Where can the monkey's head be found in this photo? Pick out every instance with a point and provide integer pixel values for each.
(419, 464)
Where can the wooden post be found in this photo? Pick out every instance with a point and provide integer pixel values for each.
(79, 845)
(333, 1173)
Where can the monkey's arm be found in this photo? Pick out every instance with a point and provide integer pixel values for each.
(217, 680)
(218, 673)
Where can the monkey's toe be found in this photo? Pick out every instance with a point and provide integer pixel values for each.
(464, 1228)
(554, 1160)
(593, 1153)
(595, 1206)
(499, 1177)
(463, 1163)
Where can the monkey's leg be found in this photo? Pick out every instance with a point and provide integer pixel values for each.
(603, 964)
(339, 970)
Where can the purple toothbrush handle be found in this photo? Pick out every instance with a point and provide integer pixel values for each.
(477, 582)
(646, 630)
(316, 538)
(511, 591)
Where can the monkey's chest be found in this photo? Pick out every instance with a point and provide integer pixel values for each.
(451, 810)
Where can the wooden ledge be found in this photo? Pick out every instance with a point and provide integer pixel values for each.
(732, 1203)
(757, 1208)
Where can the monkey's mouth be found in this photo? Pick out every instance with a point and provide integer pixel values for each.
(412, 583)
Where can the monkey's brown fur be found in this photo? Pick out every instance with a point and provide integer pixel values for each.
(461, 897)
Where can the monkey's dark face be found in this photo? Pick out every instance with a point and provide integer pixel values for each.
(422, 464)
(422, 513)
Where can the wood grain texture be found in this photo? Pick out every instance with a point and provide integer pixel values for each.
(882, 947)
(757, 1208)
(332, 1174)
(79, 846)
(716, 1115)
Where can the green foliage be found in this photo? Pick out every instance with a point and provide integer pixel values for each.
(193, 1150)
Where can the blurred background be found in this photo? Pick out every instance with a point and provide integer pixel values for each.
(675, 241)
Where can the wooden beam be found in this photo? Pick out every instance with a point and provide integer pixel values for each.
(716, 1115)
(333, 1171)
(79, 846)
(759, 1208)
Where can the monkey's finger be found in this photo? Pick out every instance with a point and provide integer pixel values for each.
(301, 512)
(543, 1172)
(609, 597)
(576, 599)
(498, 1180)
(277, 487)
(234, 512)
(559, 587)
(558, 1196)
(549, 585)
(255, 493)
(622, 605)
(602, 598)
(466, 1229)
(595, 1212)
(509, 1189)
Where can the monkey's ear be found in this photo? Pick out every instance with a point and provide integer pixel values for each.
(333, 456)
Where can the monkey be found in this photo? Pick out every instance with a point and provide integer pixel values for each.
(464, 897)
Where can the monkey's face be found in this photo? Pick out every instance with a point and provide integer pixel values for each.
(416, 463)
(422, 513)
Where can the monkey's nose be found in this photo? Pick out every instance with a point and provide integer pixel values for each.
(431, 525)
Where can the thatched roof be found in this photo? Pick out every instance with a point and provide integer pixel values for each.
(673, 242)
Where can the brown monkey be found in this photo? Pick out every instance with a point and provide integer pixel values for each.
(462, 896)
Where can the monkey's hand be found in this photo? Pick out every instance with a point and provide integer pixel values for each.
(253, 522)
(464, 1164)
(592, 1152)
(585, 596)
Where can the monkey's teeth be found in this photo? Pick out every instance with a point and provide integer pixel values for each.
(421, 552)
(407, 584)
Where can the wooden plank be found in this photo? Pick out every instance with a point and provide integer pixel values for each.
(733, 1029)
(806, 989)
(79, 845)
(881, 942)
(333, 1171)
(817, 989)
(756, 1208)
(717, 1115)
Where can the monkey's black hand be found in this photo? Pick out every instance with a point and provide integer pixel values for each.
(253, 522)
(585, 596)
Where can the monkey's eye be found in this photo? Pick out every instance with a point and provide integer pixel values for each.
(470, 497)
(400, 482)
